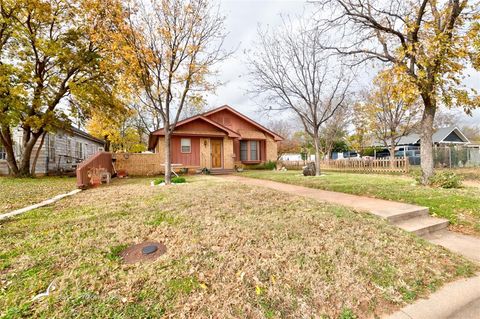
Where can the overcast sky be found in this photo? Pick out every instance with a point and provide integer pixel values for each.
(242, 20)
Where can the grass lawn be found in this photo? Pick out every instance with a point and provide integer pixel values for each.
(460, 206)
(467, 173)
(20, 192)
(233, 251)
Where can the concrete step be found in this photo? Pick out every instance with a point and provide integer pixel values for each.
(405, 215)
(423, 225)
(221, 171)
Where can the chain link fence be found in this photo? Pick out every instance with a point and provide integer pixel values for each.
(456, 156)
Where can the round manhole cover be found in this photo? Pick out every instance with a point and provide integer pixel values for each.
(145, 251)
(150, 249)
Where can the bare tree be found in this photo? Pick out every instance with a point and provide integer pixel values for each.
(173, 45)
(294, 74)
(427, 44)
(334, 130)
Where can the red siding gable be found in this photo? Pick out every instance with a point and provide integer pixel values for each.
(232, 121)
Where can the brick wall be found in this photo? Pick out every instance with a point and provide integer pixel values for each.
(228, 160)
(272, 150)
(140, 164)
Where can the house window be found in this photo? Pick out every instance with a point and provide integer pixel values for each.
(253, 150)
(243, 150)
(249, 151)
(78, 150)
(3, 154)
(69, 150)
(186, 145)
(51, 148)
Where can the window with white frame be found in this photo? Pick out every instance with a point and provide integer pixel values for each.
(186, 145)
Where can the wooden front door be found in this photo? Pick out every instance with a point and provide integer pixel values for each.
(216, 153)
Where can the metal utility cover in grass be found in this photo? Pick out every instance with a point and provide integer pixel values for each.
(146, 251)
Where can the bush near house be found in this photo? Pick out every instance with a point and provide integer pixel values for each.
(270, 165)
(175, 180)
(446, 180)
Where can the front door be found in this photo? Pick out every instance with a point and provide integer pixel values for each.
(216, 153)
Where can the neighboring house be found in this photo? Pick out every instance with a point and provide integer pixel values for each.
(219, 139)
(345, 155)
(451, 149)
(294, 157)
(61, 151)
(409, 145)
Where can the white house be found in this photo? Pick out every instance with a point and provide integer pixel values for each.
(61, 151)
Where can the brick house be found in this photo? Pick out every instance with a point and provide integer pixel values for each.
(221, 139)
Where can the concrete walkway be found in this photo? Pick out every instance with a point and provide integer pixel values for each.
(457, 300)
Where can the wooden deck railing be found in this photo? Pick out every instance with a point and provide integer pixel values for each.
(99, 160)
(400, 165)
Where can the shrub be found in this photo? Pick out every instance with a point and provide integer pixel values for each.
(158, 181)
(178, 180)
(446, 180)
(115, 252)
(347, 314)
(270, 165)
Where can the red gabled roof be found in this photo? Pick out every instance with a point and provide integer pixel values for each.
(257, 125)
(154, 135)
(230, 132)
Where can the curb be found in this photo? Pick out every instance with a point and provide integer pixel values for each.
(41, 204)
(458, 299)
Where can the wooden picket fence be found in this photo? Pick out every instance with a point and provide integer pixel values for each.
(400, 165)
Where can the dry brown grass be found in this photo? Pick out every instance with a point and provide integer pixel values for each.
(20, 192)
(233, 251)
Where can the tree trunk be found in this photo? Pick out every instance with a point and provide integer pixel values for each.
(392, 155)
(107, 143)
(317, 156)
(168, 162)
(34, 164)
(6, 139)
(426, 142)
(24, 169)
